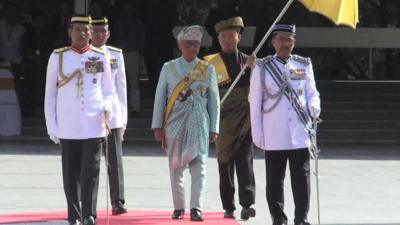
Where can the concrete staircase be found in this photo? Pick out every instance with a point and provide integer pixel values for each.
(352, 112)
(357, 112)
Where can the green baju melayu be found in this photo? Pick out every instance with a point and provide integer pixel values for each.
(194, 115)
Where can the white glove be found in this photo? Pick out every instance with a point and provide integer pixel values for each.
(55, 139)
(107, 116)
(315, 111)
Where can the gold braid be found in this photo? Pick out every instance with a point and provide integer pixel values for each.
(66, 79)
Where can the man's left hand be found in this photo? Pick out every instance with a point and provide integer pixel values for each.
(107, 118)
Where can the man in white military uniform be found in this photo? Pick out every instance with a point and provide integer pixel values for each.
(78, 100)
(283, 98)
(100, 35)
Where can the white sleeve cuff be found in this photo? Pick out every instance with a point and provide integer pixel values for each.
(259, 142)
(315, 110)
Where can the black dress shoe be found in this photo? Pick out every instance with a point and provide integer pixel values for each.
(229, 214)
(118, 208)
(247, 213)
(178, 214)
(74, 222)
(302, 223)
(196, 215)
(89, 220)
(279, 223)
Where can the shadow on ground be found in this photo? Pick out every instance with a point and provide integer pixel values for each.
(153, 149)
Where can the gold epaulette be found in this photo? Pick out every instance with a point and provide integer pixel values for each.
(114, 48)
(301, 59)
(59, 50)
(99, 50)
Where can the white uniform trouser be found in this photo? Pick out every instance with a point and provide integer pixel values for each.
(197, 169)
(132, 73)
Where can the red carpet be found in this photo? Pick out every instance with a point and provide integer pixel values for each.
(132, 217)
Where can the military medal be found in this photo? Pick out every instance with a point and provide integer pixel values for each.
(184, 94)
(297, 74)
(113, 64)
(94, 66)
(90, 67)
(99, 66)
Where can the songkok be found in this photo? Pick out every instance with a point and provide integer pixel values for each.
(234, 22)
(100, 20)
(284, 28)
(192, 33)
(81, 19)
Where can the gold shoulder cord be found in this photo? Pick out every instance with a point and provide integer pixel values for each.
(66, 79)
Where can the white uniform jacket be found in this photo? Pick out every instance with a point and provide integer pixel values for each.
(75, 110)
(281, 128)
(119, 105)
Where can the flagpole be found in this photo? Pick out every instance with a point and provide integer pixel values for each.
(108, 132)
(257, 49)
(316, 152)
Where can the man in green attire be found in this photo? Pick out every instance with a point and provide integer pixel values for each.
(234, 145)
(186, 119)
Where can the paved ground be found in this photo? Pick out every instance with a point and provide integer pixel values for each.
(359, 185)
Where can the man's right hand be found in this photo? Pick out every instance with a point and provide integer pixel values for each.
(55, 139)
(159, 135)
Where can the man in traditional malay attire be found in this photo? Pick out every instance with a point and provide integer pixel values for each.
(78, 99)
(234, 146)
(186, 119)
(283, 101)
(100, 35)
